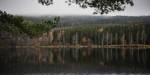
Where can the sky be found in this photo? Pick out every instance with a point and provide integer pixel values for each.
(33, 8)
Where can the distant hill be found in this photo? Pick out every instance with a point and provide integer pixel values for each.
(94, 20)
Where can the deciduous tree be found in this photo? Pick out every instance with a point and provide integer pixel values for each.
(100, 6)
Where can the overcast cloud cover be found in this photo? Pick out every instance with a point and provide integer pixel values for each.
(32, 7)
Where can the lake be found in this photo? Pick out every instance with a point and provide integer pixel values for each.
(86, 60)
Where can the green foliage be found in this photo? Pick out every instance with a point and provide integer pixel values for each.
(10, 23)
(100, 6)
(135, 33)
(17, 25)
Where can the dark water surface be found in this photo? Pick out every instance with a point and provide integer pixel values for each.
(82, 61)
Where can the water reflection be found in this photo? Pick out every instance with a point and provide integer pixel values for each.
(135, 57)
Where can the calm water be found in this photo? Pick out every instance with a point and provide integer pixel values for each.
(74, 60)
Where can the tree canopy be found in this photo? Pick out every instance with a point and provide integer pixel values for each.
(100, 6)
(17, 25)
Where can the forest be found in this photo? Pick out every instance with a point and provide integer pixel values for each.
(17, 25)
(96, 29)
(55, 40)
(89, 37)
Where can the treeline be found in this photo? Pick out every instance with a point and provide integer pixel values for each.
(94, 20)
(97, 20)
(17, 25)
(105, 35)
